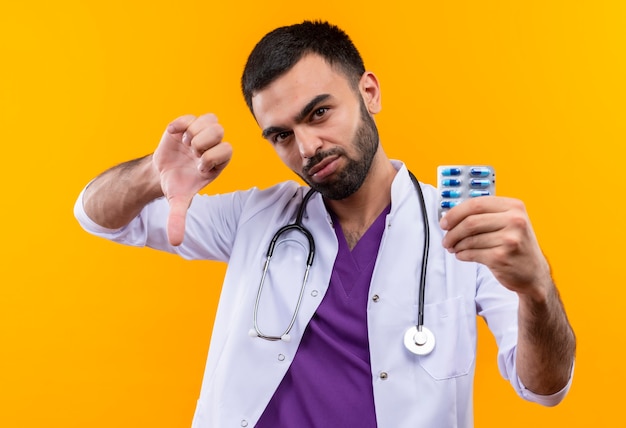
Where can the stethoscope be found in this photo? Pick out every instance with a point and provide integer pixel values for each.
(417, 339)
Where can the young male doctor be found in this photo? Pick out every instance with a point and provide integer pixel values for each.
(327, 349)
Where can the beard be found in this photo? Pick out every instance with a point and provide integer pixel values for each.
(352, 176)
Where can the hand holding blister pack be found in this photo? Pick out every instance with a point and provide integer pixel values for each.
(456, 183)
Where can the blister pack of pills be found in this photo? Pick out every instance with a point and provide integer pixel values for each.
(457, 183)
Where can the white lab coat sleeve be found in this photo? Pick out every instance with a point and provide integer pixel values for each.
(499, 307)
(210, 230)
(545, 400)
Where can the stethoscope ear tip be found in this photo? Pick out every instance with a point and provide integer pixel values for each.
(252, 333)
(285, 338)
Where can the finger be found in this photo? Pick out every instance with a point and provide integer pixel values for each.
(482, 241)
(210, 135)
(484, 204)
(483, 256)
(508, 234)
(176, 219)
(199, 123)
(473, 226)
(180, 124)
(213, 161)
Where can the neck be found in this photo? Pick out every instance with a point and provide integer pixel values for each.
(357, 212)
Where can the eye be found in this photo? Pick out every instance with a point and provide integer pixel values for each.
(319, 113)
(281, 137)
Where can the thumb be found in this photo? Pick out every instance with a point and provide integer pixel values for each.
(176, 219)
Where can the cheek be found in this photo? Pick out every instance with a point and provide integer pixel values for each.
(345, 126)
(338, 132)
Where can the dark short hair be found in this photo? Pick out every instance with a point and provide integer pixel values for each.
(279, 50)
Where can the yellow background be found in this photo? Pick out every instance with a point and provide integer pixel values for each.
(93, 334)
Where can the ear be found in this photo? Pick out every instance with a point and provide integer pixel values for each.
(370, 91)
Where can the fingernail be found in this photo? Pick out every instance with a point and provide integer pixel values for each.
(443, 223)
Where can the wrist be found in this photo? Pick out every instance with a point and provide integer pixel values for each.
(151, 179)
(541, 286)
(118, 195)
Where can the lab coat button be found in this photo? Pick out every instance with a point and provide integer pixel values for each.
(383, 375)
(376, 297)
(314, 293)
(244, 423)
(281, 357)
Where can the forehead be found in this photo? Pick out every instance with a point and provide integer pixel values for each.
(308, 78)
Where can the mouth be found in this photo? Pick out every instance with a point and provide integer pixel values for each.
(319, 171)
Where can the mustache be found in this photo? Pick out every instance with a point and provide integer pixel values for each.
(320, 156)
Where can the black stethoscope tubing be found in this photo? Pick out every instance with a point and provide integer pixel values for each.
(418, 339)
(298, 226)
(422, 289)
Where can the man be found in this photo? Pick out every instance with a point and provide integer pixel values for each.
(340, 361)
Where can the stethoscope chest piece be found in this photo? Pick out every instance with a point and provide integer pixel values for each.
(419, 341)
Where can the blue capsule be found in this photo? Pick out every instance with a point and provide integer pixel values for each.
(479, 184)
(451, 182)
(477, 193)
(449, 204)
(447, 172)
(450, 194)
(480, 172)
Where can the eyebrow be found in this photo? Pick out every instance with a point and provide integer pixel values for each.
(306, 110)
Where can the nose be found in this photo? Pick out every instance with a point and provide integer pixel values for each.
(308, 143)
